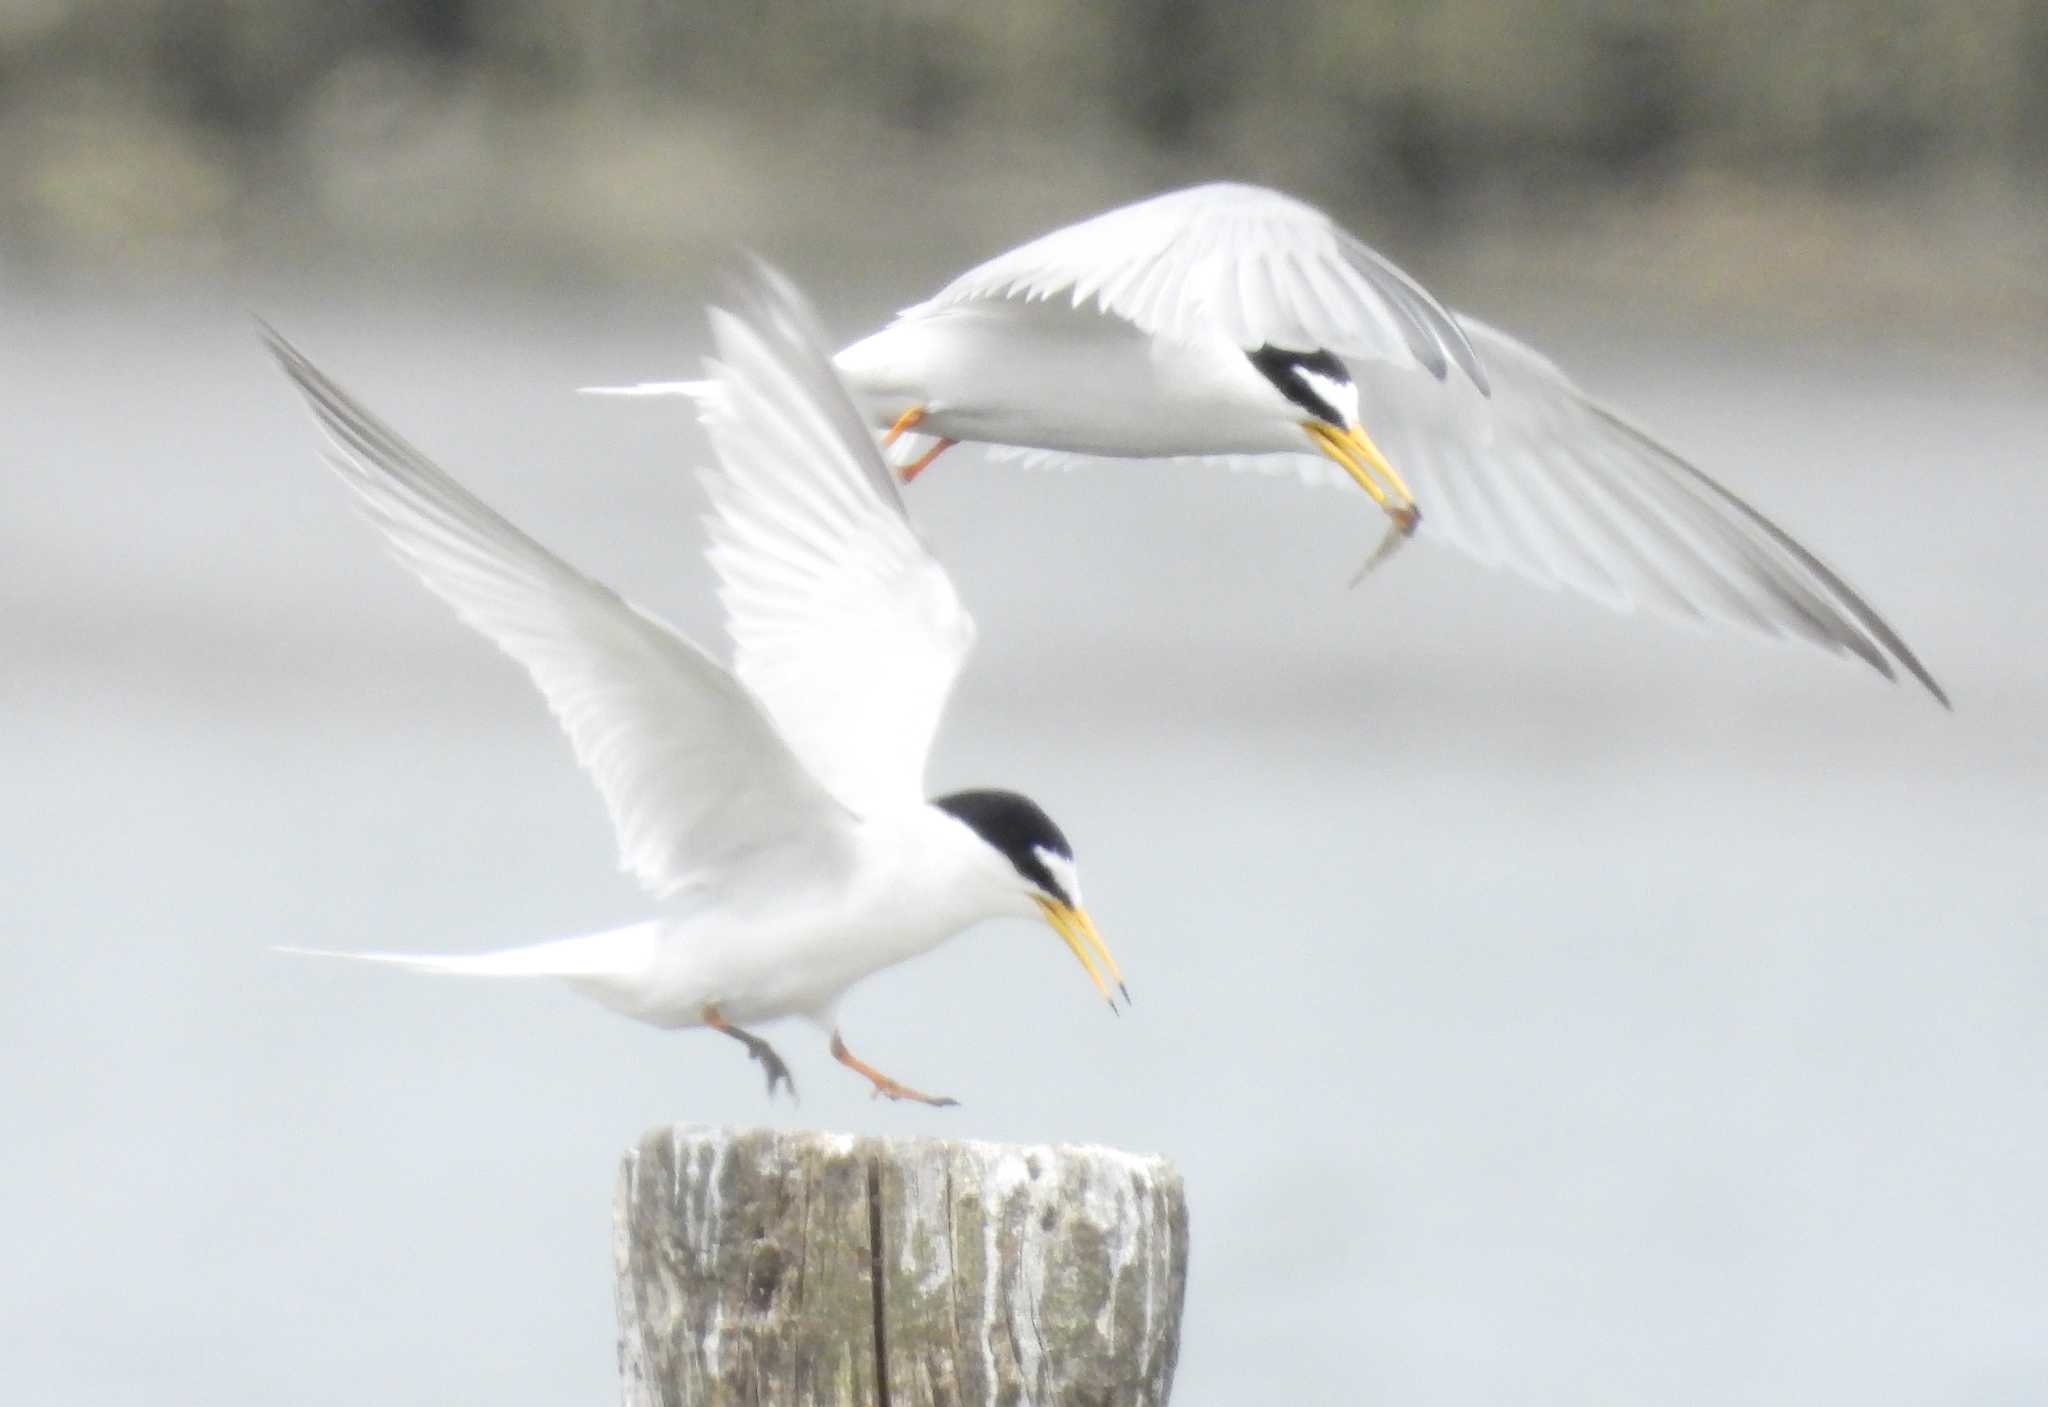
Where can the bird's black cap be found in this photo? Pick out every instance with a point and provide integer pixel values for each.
(1017, 827)
(1283, 368)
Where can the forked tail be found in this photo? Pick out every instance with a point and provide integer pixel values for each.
(904, 449)
(621, 953)
(698, 391)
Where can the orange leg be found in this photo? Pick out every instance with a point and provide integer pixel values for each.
(917, 465)
(756, 1047)
(910, 420)
(883, 1084)
(906, 421)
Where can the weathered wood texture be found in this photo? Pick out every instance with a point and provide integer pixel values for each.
(754, 1266)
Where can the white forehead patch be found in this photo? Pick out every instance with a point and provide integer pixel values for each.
(1063, 872)
(1342, 395)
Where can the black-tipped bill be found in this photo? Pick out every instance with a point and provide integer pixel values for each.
(1352, 448)
(1086, 945)
(1361, 458)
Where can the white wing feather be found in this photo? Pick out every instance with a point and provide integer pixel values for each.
(1251, 264)
(691, 770)
(1546, 481)
(1543, 480)
(843, 625)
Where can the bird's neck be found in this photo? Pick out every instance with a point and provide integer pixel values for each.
(958, 877)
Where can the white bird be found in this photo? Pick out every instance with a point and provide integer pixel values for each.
(776, 810)
(1235, 324)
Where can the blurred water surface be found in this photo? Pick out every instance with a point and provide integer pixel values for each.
(1544, 1006)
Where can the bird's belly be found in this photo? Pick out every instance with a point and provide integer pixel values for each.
(1161, 427)
(1054, 378)
(760, 970)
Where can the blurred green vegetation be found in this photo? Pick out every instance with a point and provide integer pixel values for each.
(604, 138)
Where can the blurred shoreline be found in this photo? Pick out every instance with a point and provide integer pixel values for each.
(1834, 167)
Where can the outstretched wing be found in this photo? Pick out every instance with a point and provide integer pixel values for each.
(1547, 482)
(1544, 480)
(843, 625)
(1258, 267)
(690, 768)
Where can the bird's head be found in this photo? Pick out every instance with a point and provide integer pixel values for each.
(1324, 399)
(1037, 871)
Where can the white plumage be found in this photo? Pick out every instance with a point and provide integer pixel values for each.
(1234, 325)
(843, 626)
(776, 809)
(1239, 262)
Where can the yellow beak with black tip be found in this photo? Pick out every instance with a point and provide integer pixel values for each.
(1086, 945)
(1361, 458)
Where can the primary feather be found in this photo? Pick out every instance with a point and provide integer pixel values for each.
(1546, 481)
(1256, 266)
(1543, 480)
(843, 625)
(692, 771)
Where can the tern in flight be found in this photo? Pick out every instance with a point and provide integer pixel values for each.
(1233, 324)
(775, 811)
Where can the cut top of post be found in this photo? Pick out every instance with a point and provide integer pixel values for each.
(759, 1265)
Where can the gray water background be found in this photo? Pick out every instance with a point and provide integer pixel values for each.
(1543, 1005)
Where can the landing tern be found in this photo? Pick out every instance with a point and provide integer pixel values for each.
(775, 811)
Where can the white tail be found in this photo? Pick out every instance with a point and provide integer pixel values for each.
(622, 953)
(906, 449)
(698, 391)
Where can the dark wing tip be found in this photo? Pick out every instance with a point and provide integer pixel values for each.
(1872, 639)
(1431, 356)
(278, 345)
(307, 379)
(1430, 329)
(1468, 357)
(330, 405)
(1920, 673)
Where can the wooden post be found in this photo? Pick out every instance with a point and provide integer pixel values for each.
(821, 1270)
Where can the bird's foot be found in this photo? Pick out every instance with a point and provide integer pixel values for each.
(757, 1049)
(884, 1086)
(771, 1062)
(895, 1089)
